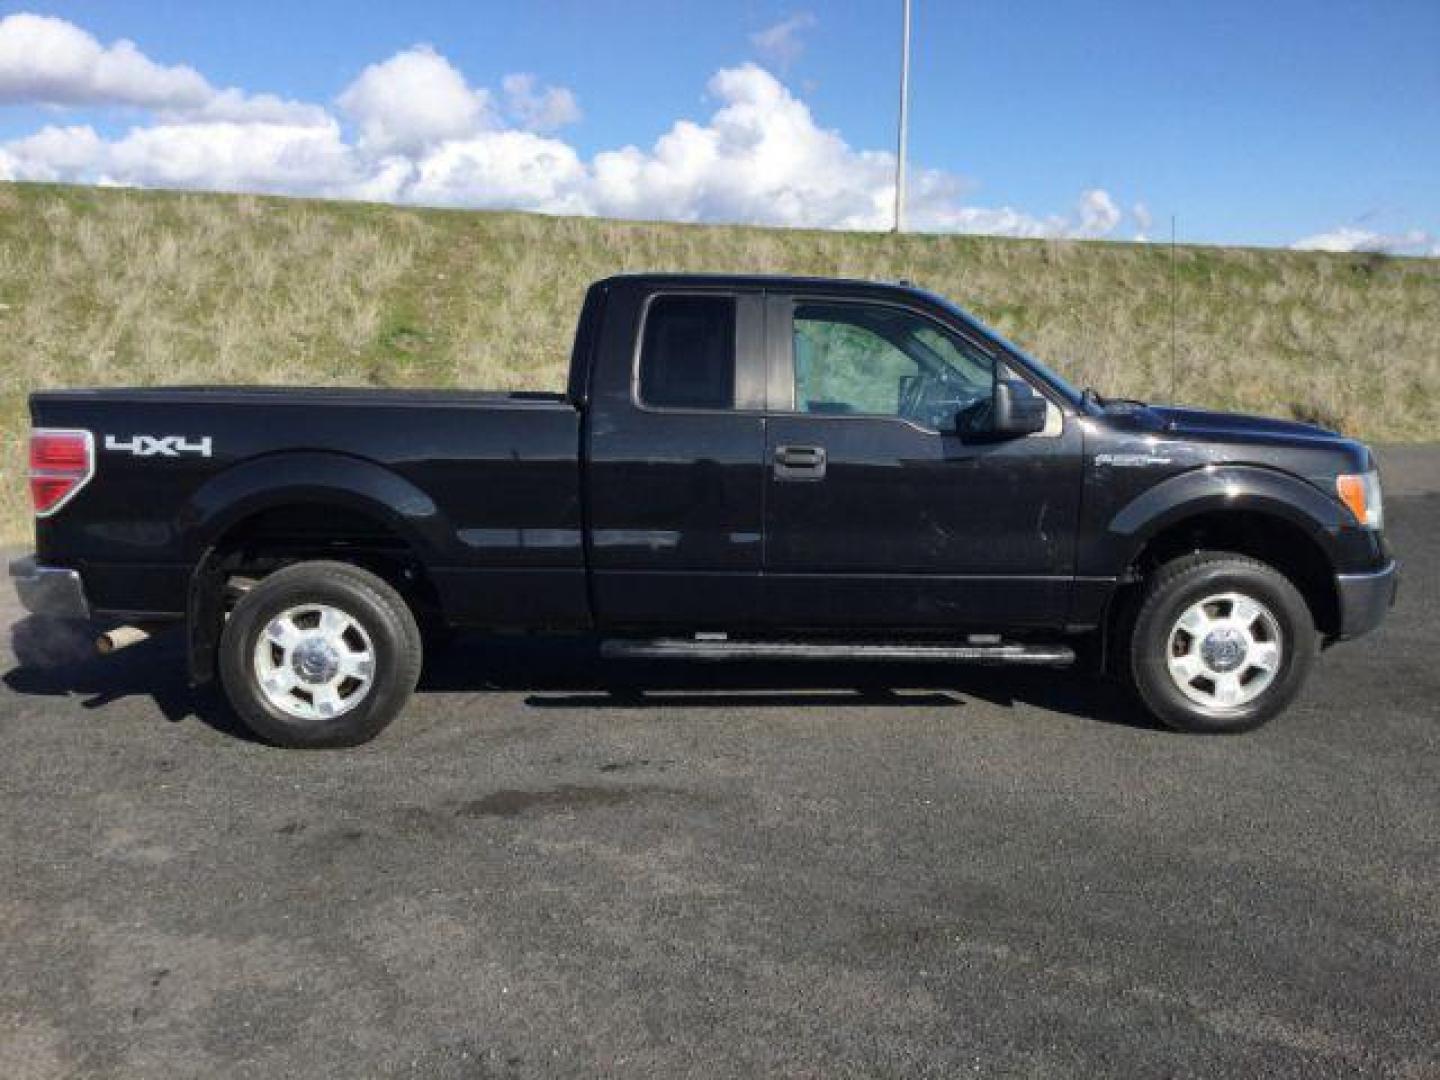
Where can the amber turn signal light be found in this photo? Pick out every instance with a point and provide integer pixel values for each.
(1361, 493)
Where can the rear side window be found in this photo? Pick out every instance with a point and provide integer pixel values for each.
(687, 359)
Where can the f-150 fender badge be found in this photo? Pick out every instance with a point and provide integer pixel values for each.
(1130, 461)
(159, 445)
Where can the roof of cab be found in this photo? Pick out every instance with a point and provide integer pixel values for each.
(764, 281)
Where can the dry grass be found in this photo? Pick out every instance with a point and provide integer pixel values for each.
(123, 287)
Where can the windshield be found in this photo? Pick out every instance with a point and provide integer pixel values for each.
(1039, 370)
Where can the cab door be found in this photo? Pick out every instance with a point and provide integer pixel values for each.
(878, 513)
(676, 459)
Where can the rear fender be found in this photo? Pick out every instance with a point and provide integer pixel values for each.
(308, 478)
(313, 478)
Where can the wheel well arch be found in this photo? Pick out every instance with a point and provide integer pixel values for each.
(308, 522)
(1271, 538)
(286, 531)
(336, 483)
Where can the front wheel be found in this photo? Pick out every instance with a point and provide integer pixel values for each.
(320, 654)
(1220, 643)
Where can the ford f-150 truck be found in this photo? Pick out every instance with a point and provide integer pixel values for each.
(741, 467)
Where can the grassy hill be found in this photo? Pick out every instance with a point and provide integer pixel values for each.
(102, 286)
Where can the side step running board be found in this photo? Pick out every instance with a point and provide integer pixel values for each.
(722, 649)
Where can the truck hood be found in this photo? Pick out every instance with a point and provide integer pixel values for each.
(1199, 423)
(1218, 437)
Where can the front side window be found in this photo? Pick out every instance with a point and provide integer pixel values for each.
(687, 356)
(874, 360)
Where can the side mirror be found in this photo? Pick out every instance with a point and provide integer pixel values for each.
(1013, 409)
(1018, 410)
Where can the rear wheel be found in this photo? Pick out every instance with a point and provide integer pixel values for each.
(1220, 643)
(320, 654)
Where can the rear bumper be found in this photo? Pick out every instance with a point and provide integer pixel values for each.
(49, 590)
(1365, 598)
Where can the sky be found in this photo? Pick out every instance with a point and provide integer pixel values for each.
(1274, 123)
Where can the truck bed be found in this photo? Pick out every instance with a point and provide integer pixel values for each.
(484, 486)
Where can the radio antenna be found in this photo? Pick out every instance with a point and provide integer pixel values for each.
(1174, 290)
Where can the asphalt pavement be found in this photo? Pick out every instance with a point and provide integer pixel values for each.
(554, 865)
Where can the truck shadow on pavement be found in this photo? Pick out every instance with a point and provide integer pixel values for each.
(55, 659)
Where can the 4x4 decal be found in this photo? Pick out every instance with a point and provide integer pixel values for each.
(159, 445)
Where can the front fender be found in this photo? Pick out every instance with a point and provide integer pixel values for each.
(312, 478)
(1219, 488)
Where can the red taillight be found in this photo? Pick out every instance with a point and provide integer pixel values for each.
(61, 463)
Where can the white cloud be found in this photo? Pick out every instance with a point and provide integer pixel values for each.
(412, 101)
(55, 153)
(1351, 238)
(761, 158)
(221, 156)
(415, 130)
(502, 169)
(48, 61)
(237, 106)
(1098, 214)
(53, 62)
(1143, 220)
(539, 108)
(781, 44)
(286, 158)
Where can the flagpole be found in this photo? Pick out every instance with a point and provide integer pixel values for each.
(904, 133)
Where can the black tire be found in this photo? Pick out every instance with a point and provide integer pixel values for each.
(1171, 591)
(394, 645)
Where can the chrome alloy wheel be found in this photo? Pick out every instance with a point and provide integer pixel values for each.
(1225, 651)
(314, 661)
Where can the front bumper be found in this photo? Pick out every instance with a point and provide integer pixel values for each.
(1365, 598)
(49, 590)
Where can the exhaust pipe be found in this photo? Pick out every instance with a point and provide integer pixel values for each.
(119, 638)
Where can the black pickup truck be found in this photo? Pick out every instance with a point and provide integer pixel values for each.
(741, 467)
